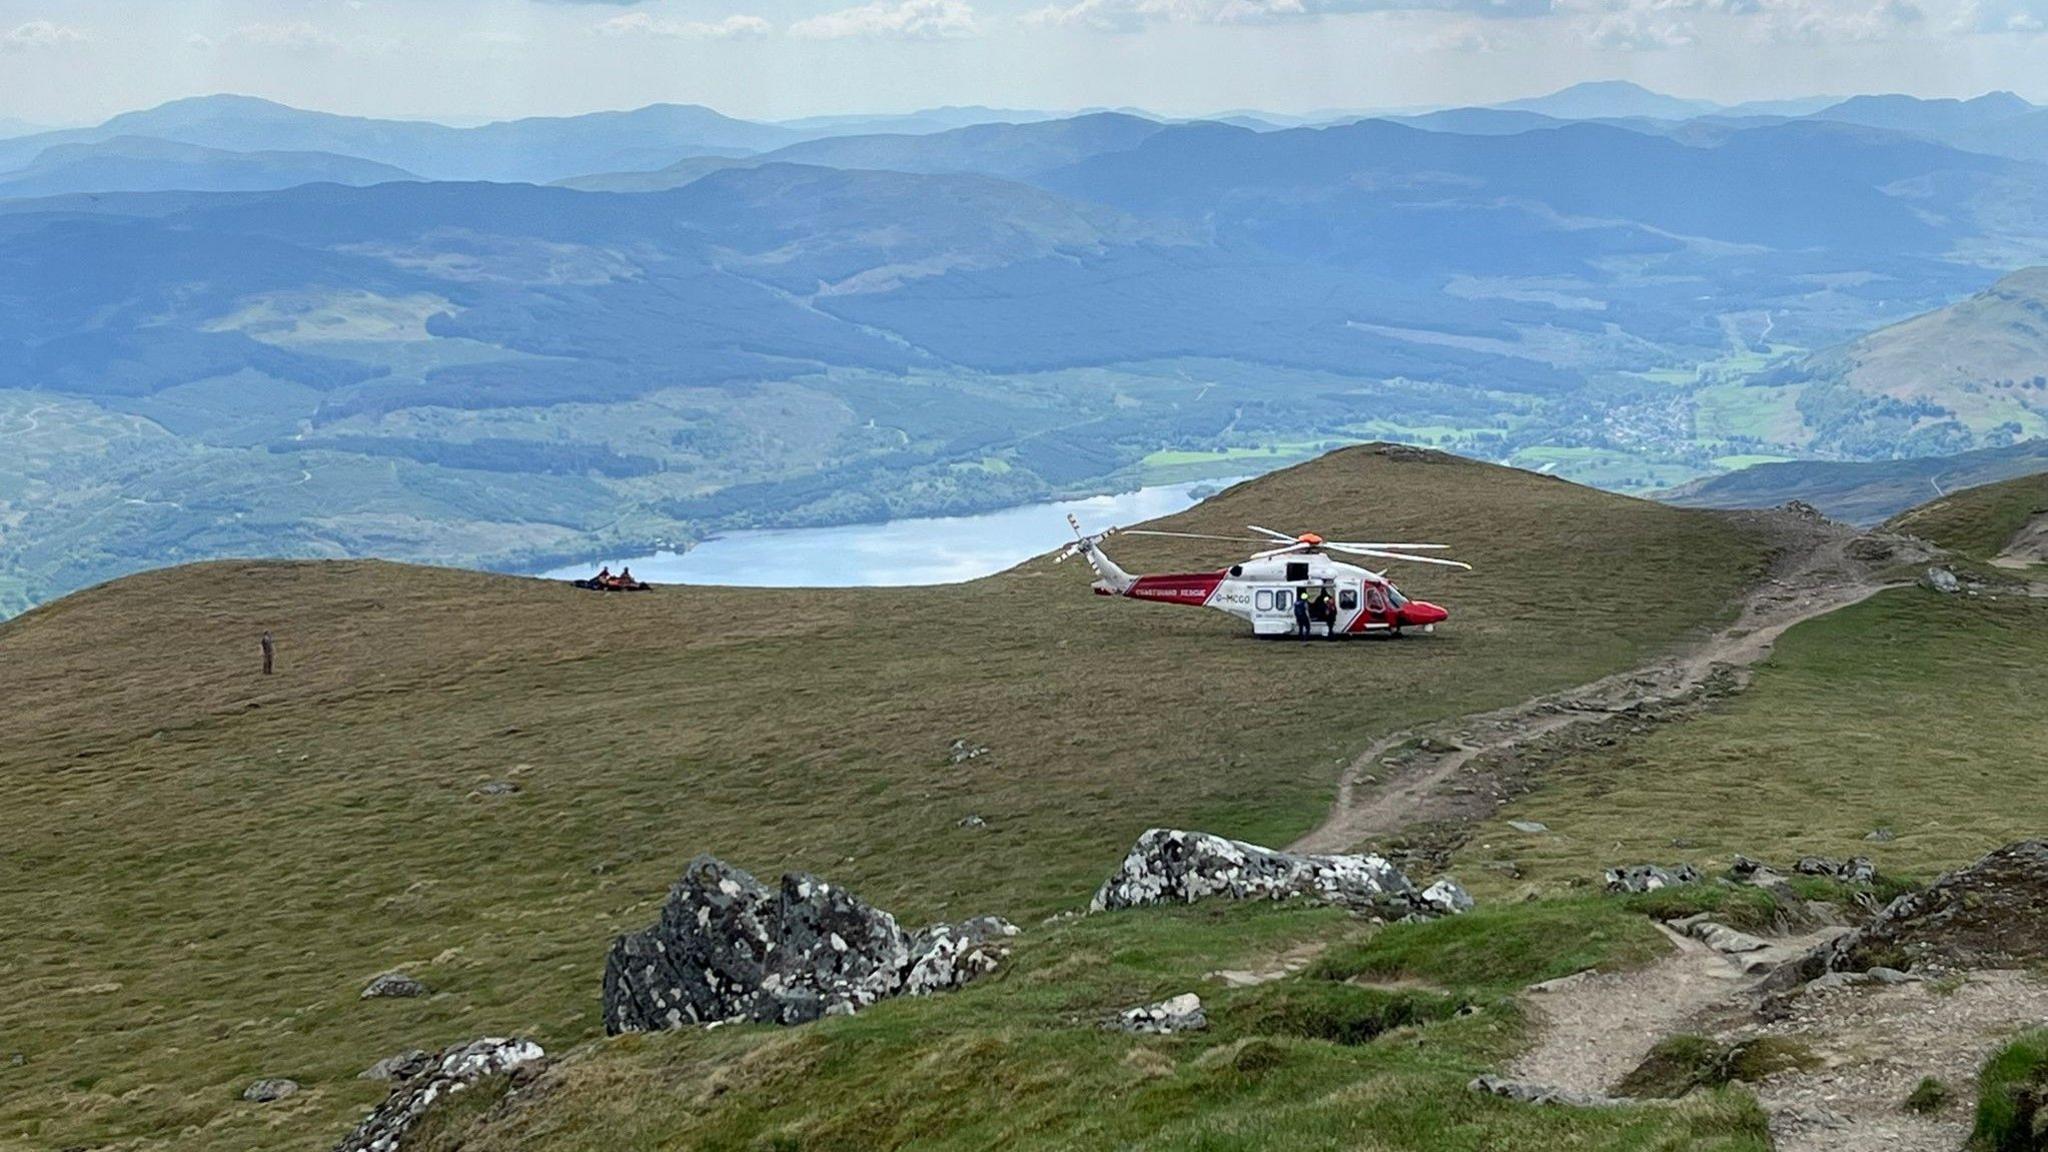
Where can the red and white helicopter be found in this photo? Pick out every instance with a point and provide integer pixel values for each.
(1264, 588)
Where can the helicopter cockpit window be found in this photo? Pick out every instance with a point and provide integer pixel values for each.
(1394, 594)
(1375, 600)
(1347, 599)
(1263, 601)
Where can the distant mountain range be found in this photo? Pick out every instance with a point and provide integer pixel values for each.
(232, 327)
(1863, 492)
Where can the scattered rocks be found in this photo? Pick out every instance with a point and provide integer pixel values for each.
(271, 1090)
(726, 948)
(1531, 827)
(1942, 580)
(449, 1071)
(1167, 866)
(1650, 878)
(493, 789)
(1530, 1093)
(1182, 1013)
(1880, 836)
(973, 822)
(1855, 870)
(401, 1066)
(961, 751)
(393, 986)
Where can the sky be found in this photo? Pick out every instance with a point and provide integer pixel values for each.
(78, 61)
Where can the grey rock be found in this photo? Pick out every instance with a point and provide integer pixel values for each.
(1830, 981)
(1817, 866)
(270, 1090)
(973, 822)
(1881, 835)
(1991, 914)
(401, 1066)
(961, 751)
(948, 956)
(1182, 1013)
(1530, 826)
(1649, 877)
(1447, 897)
(1857, 870)
(1883, 975)
(726, 949)
(450, 1071)
(393, 986)
(1724, 939)
(1941, 580)
(496, 788)
(1167, 866)
(1530, 1093)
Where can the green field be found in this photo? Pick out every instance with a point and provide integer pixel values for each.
(261, 848)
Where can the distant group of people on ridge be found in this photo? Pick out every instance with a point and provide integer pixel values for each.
(604, 581)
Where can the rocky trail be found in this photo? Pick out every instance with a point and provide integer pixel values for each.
(1436, 780)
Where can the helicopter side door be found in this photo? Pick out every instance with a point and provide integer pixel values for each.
(1272, 610)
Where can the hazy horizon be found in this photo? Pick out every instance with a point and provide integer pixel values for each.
(474, 60)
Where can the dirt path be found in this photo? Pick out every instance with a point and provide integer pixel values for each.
(1596, 1027)
(1462, 770)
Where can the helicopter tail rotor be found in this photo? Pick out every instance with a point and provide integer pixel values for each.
(1113, 578)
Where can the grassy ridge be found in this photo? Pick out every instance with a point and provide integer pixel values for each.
(259, 848)
(1912, 712)
(1979, 521)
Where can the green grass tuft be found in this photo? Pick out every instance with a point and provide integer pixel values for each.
(2010, 1093)
(1503, 947)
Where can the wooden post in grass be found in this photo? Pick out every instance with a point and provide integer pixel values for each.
(269, 653)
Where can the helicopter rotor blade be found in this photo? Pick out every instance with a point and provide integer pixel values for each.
(1283, 550)
(1273, 534)
(1383, 554)
(1194, 536)
(1397, 547)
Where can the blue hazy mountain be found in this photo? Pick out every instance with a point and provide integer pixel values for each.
(1937, 118)
(537, 149)
(1605, 99)
(915, 123)
(141, 164)
(1019, 151)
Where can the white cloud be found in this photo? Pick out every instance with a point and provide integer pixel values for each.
(1636, 31)
(1131, 15)
(1813, 22)
(2017, 17)
(39, 34)
(642, 24)
(893, 20)
(297, 37)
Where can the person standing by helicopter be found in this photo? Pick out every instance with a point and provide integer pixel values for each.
(1301, 615)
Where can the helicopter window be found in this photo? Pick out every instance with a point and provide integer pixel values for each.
(1394, 594)
(1283, 600)
(1263, 601)
(1297, 570)
(1374, 600)
(1348, 599)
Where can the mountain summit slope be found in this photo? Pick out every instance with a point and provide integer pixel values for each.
(289, 837)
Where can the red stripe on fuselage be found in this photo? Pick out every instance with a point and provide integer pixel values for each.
(1177, 588)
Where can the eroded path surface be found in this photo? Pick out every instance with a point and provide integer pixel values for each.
(1462, 770)
(1595, 1027)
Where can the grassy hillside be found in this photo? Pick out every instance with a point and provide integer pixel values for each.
(259, 848)
(1981, 521)
(1912, 712)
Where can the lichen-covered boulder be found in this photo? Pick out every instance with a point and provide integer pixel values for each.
(1649, 877)
(1991, 914)
(947, 956)
(1182, 1013)
(726, 948)
(1168, 866)
(451, 1070)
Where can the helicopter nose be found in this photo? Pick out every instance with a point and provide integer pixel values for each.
(1421, 612)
